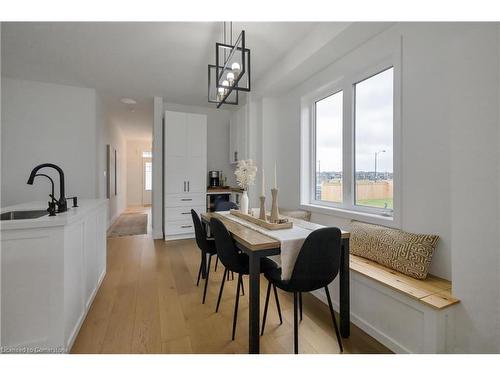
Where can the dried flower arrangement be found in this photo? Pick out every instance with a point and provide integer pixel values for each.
(245, 173)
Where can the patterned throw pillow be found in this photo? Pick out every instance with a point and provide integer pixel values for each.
(408, 253)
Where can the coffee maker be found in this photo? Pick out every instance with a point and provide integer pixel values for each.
(214, 178)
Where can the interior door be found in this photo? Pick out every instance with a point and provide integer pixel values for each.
(197, 150)
(176, 152)
(147, 181)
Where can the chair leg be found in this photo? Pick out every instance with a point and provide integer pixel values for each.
(199, 275)
(216, 263)
(300, 305)
(221, 288)
(337, 332)
(265, 308)
(235, 317)
(242, 287)
(295, 324)
(206, 279)
(277, 303)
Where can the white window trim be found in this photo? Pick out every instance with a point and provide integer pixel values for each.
(347, 209)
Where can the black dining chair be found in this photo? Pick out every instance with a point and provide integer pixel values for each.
(207, 247)
(316, 266)
(223, 205)
(236, 262)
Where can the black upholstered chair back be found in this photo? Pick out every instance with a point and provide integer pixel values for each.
(226, 249)
(318, 261)
(225, 206)
(201, 235)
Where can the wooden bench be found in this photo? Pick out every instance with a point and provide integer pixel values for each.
(433, 291)
(405, 314)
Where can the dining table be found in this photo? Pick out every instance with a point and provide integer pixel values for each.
(257, 245)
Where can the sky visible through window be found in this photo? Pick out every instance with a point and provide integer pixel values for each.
(374, 127)
(374, 98)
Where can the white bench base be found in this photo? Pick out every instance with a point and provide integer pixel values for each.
(399, 322)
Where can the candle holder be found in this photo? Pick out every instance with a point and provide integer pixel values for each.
(262, 213)
(274, 206)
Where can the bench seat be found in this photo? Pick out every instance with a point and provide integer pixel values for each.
(433, 291)
(405, 314)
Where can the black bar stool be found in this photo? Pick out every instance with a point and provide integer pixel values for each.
(316, 266)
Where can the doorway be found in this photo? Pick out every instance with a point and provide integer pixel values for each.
(147, 185)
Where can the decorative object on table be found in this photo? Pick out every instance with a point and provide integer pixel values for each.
(274, 205)
(283, 224)
(245, 176)
(231, 72)
(262, 213)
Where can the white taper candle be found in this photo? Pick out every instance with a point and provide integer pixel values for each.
(275, 179)
(263, 193)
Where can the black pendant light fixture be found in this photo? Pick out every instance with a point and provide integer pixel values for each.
(231, 71)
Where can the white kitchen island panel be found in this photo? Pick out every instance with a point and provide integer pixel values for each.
(51, 270)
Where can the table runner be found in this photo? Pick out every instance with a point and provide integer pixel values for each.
(291, 240)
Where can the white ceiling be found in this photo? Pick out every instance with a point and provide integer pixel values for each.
(136, 59)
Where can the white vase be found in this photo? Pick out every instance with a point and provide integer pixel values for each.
(244, 203)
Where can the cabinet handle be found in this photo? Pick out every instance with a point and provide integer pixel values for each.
(185, 213)
(186, 199)
(186, 226)
(188, 186)
(236, 156)
(184, 186)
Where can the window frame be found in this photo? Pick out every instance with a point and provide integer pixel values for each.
(336, 89)
(348, 208)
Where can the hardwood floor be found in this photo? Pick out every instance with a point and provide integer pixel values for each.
(149, 303)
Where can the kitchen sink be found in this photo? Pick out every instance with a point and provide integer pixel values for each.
(19, 215)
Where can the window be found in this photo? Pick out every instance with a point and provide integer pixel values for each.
(373, 140)
(147, 154)
(328, 115)
(347, 147)
(147, 175)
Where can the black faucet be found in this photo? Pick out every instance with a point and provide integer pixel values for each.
(52, 203)
(62, 205)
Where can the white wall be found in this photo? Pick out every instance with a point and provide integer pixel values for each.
(135, 178)
(47, 123)
(217, 137)
(450, 96)
(109, 133)
(157, 193)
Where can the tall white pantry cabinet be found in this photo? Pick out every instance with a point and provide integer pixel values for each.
(185, 171)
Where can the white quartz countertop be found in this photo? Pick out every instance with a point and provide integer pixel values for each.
(61, 219)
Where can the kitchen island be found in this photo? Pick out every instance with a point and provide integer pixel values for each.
(51, 269)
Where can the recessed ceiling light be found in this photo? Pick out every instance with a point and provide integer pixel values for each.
(128, 101)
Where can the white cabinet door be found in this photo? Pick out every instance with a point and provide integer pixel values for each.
(176, 152)
(196, 168)
(241, 140)
(238, 136)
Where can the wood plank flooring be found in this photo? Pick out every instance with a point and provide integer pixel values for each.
(149, 303)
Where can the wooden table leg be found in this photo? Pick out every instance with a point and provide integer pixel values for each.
(344, 290)
(254, 302)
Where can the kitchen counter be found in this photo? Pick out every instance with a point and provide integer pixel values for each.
(73, 214)
(51, 267)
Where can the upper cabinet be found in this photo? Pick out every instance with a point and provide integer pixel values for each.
(238, 135)
(185, 152)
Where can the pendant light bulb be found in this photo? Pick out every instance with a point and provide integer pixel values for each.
(236, 68)
(230, 78)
